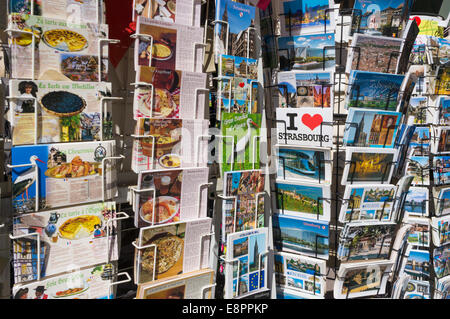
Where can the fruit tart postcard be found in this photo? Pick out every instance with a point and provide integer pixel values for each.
(76, 237)
(186, 12)
(300, 273)
(180, 195)
(87, 283)
(59, 175)
(67, 111)
(168, 46)
(169, 143)
(170, 94)
(64, 51)
(246, 269)
(170, 250)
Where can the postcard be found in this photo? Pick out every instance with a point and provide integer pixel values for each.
(372, 90)
(419, 53)
(300, 273)
(242, 212)
(171, 94)
(420, 143)
(418, 108)
(62, 175)
(305, 89)
(170, 250)
(307, 52)
(443, 202)
(286, 293)
(184, 12)
(440, 230)
(168, 46)
(83, 11)
(245, 130)
(304, 17)
(374, 53)
(180, 195)
(364, 165)
(400, 286)
(303, 200)
(370, 128)
(442, 290)
(366, 241)
(418, 264)
(236, 66)
(386, 17)
(423, 83)
(169, 144)
(441, 170)
(67, 111)
(297, 235)
(305, 126)
(303, 164)
(441, 261)
(419, 167)
(187, 286)
(87, 283)
(417, 289)
(442, 115)
(362, 279)
(246, 267)
(419, 233)
(367, 202)
(442, 81)
(243, 182)
(406, 91)
(236, 34)
(74, 237)
(443, 50)
(441, 140)
(64, 51)
(416, 202)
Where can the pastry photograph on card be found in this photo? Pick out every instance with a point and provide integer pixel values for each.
(172, 11)
(67, 174)
(307, 52)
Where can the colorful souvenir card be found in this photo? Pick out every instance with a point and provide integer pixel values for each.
(180, 195)
(443, 202)
(418, 265)
(304, 236)
(170, 94)
(305, 126)
(169, 144)
(419, 167)
(83, 11)
(441, 170)
(400, 286)
(303, 200)
(168, 46)
(170, 250)
(366, 241)
(419, 108)
(365, 166)
(304, 17)
(442, 81)
(372, 90)
(188, 286)
(244, 130)
(423, 82)
(67, 111)
(416, 202)
(236, 66)
(184, 12)
(370, 128)
(420, 143)
(88, 283)
(243, 182)
(441, 140)
(442, 290)
(246, 266)
(76, 237)
(419, 233)
(303, 164)
(64, 174)
(236, 34)
(417, 289)
(374, 53)
(367, 202)
(286, 293)
(442, 115)
(441, 230)
(380, 17)
(362, 279)
(64, 51)
(305, 89)
(441, 261)
(300, 273)
(307, 52)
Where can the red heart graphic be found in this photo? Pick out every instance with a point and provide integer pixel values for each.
(241, 84)
(312, 121)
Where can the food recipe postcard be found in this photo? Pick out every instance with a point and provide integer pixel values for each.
(62, 174)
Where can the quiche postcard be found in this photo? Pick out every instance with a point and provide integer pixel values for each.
(63, 51)
(75, 237)
(58, 175)
(67, 111)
